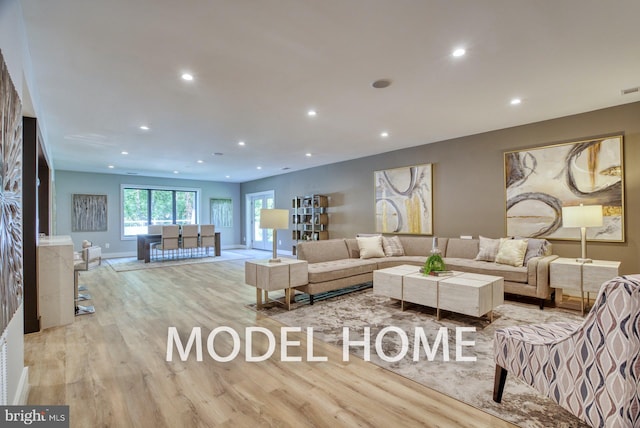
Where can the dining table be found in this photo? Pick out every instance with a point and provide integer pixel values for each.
(145, 240)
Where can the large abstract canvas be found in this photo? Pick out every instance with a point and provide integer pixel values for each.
(540, 181)
(11, 286)
(89, 213)
(404, 200)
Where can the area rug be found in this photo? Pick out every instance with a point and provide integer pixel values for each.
(125, 264)
(469, 382)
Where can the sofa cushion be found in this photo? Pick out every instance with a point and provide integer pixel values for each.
(463, 248)
(386, 262)
(322, 251)
(419, 245)
(488, 249)
(392, 246)
(352, 247)
(370, 246)
(511, 251)
(509, 273)
(336, 269)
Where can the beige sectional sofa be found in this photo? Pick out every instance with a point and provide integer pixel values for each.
(336, 263)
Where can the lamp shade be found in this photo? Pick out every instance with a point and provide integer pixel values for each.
(274, 219)
(582, 216)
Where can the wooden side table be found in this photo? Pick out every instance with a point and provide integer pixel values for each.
(268, 276)
(566, 273)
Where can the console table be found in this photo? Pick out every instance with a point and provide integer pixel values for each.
(144, 242)
(566, 273)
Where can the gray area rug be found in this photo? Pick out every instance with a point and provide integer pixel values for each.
(125, 264)
(470, 382)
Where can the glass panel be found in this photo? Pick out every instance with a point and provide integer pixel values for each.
(162, 207)
(270, 205)
(135, 207)
(257, 234)
(186, 207)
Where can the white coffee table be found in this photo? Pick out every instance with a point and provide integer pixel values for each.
(464, 293)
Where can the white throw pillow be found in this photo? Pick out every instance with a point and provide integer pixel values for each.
(488, 249)
(511, 251)
(370, 246)
(392, 246)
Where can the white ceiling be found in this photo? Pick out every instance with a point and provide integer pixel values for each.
(103, 68)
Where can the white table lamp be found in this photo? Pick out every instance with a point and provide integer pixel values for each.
(582, 216)
(274, 219)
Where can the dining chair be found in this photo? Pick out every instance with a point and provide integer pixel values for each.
(207, 236)
(189, 238)
(169, 240)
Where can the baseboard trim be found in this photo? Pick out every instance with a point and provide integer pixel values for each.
(22, 393)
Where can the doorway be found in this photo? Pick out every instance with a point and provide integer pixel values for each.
(259, 239)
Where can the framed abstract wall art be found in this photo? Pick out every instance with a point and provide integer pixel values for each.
(222, 212)
(89, 213)
(11, 282)
(404, 200)
(540, 181)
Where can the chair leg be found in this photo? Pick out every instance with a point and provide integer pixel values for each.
(498, 384)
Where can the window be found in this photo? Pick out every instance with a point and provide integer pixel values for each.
(143, 206)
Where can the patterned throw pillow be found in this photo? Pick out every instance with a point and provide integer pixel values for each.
(392, 246)
(535, 248)
(488, 249)
(370, 246)
(511, 251)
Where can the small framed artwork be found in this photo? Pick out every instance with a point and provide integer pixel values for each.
(89, 213)
(404, 200)
(540, 181)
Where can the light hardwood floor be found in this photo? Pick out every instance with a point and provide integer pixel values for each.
(110, 367)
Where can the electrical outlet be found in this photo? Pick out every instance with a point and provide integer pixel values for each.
(106, 245)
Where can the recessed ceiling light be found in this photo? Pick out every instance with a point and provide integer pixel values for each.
(258, 167)
(175, 172)
(124, 153)
(312, 113)
(458, 52)
(111, 167)
(384, 134)
(227, 176)
(308, 155)
(144, 127)
(200, 161)
(381, 83)
(241, 143)
(515, 101)
(187, 76)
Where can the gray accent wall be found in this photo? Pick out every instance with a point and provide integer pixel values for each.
(468, 182)
(67, 183)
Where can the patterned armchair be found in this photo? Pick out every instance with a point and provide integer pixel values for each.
(591, 369)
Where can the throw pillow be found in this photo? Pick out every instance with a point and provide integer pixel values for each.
(535, 248)
(511, 251)
(370, 246)
(392, 246)
(488, 249)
